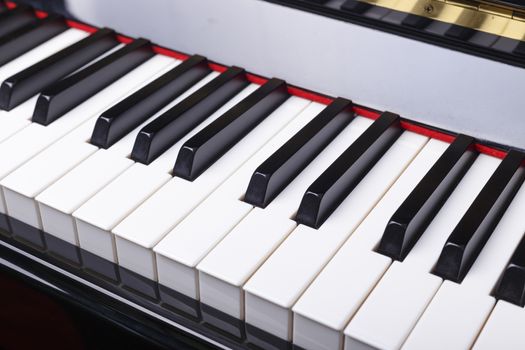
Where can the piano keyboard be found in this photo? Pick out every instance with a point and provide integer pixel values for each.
(311, 223)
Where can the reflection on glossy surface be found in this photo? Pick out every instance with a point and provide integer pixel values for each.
(137, 289)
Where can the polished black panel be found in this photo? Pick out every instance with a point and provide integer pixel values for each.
(476, 226)
(339, 179)
(29, 36)
(208, 145)
(422, 204)
(66, 94)
(135, 109)
(25, 84)
(167, 129)
(276, 172)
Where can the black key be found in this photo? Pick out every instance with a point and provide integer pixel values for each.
(363, 8)
(29, 36)
(415, 21)
(475, 227)
(16, 18)
(512, 285)
(422, 204)
(204, 148)
(62, 96)
(128, 114)
(163, 132)
(355, 6)
(25, 84)
(276, 172)
(339, 179)
(460, 33)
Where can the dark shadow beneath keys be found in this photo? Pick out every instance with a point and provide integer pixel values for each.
(100, 267)
(27, 234)
(180, 303)
(137, 283)
(223, 322)
(63, 250)
(265, 340)
(5, 227)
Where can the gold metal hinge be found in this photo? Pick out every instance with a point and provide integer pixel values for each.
(482, 16)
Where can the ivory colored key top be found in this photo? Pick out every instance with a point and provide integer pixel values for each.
(24, 184)
(26, 83)
(188, 243)
(325, 308)
(401, 296)
(16, 119)
(277, 285)
(147, 225)
(458, 312)
(60, 200)
(34, 138)
(503, 329)
(96, 218)
(461, 310)
(106, 209)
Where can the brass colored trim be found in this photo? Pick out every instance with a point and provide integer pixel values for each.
(467, 13)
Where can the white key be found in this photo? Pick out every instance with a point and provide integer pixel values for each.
(107, 208)
(325, 308)
(97, 217)
(394, 306)
(188, 243)
(19, 117)
(467, 311)
(33, 139)
(58, 202)
(503, 329)
(147, 225)
(247, 246)
(451, 309)
(275, 287)
(24, 184)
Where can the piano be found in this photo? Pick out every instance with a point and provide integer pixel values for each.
(251, 174)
